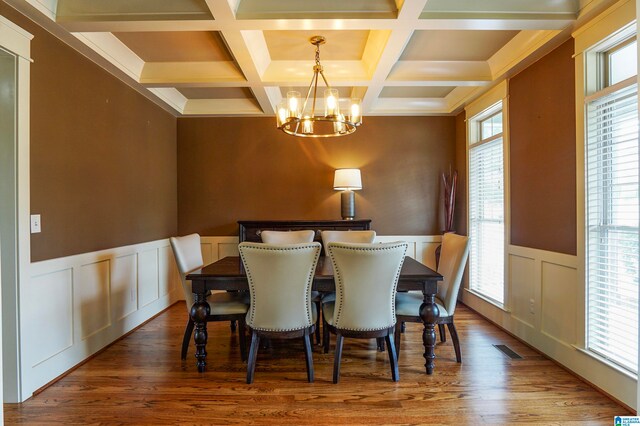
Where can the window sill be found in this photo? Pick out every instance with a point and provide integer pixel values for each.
(608, 363)
(488, 300)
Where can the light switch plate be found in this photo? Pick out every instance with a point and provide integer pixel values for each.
(36, 225)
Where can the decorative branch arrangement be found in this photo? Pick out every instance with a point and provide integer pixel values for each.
(449, 180)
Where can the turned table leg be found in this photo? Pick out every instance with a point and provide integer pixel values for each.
(199, 313)
(429, 314)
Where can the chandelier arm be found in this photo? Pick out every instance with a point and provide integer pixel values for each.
(315, 94)
(325, 80)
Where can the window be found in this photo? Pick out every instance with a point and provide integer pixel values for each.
(611, 188)
(486, 205)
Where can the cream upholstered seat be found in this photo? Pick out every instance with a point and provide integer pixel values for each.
(453, 259)
(360, 270)
(287, 237)
(224, 306)
(295, 237)
(280, 278)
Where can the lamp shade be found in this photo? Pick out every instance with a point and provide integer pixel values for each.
(347, 179)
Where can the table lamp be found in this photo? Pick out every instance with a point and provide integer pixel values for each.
(347, 181)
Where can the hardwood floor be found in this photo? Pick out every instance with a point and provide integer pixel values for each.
(141, 380)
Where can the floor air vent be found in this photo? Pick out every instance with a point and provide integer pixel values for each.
(507, 351)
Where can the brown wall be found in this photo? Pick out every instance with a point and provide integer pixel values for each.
(103, 157)
(231, 169)
(543, 157)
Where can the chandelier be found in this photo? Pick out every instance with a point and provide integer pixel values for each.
(298, 118)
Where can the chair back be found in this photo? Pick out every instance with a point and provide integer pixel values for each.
(366, 277)
(287, 237)
(453, 259)
(188, 258)
(280, 279)
(363, 237)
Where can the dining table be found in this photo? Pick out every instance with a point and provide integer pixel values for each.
(229, 274)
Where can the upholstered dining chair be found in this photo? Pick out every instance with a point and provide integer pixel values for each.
(453, 258)
(224, 306)
(280, 278)
(287, 237)
(364, 237)
(295, 237)
(366, 277)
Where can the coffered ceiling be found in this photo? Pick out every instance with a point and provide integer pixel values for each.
(240, 57)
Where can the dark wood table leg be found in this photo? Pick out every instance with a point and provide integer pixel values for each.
(429, 314)
(199, 313)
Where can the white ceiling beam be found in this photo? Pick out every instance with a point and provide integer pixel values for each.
(115, 51)
(408, 14)
(243, 47)
(171, 96)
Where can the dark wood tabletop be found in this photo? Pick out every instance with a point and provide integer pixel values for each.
(229, 274)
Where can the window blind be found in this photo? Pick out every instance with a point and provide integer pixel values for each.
(486, 219)
(612, 225)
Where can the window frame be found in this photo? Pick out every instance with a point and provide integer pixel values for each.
(591, 43)
(485, 107)
(600, 88)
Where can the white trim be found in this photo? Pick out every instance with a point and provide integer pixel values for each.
(111, 282)
(555, 342)
(481, 108)
(15, 39)
(18, 41)
(600, 32)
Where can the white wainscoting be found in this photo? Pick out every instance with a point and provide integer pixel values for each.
(72, 307)
(544, 308)
(421, 247)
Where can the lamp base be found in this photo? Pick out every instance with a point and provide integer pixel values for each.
(348, 205)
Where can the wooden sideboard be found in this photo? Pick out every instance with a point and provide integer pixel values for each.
(250, 230)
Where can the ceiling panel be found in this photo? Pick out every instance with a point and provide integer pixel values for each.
(216, 92)
(416, 92)
(295, 46)
(176, 46)
(297, 9)
(343, 92)
(499, 8)
(455, 45)
(127, 10)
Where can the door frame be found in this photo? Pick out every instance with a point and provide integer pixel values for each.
(18, 42)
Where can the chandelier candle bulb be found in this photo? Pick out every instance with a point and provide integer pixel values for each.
(307, 126)
(282, 113)
(331, 104)
(356, 116)
(293, 101)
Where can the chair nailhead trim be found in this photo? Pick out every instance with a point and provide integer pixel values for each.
(339, 279)
(252, 288)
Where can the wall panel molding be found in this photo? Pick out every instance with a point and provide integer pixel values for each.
(90, 300)
(542, 309)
